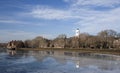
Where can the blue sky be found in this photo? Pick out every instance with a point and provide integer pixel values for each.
(26, 19)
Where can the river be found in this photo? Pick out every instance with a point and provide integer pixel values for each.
(58, 62)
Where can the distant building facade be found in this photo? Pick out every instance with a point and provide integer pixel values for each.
(116, 43)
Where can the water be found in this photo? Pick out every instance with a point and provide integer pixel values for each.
(58, 62)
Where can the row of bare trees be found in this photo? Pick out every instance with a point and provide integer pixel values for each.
(3, 45)
(106, 39)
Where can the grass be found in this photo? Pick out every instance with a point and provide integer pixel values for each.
(100, 51)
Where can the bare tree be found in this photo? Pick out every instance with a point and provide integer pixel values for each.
(40, 42)
(60, 41)
(28, 43)
(107, 38)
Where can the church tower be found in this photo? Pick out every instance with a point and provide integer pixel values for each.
(77, 32)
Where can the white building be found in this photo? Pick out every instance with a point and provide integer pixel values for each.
(77, 32)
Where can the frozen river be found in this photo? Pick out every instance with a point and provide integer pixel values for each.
(58, 62)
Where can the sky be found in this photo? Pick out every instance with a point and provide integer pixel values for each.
(27, 19)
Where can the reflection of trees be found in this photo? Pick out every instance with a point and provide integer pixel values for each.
(17, 54)
(41, 55)
(79, 59)
(68, 54)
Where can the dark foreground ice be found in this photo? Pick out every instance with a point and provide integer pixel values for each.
(58, 62)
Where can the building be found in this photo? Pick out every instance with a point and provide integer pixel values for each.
(116, 43)
(77, 32)
(11, 45)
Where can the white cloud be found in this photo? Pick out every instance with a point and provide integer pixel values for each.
(51, 13)
(95, 20)
(91, 20)
(87, 19)
(12, 21)
(21, 22)
(102, 3)
(98, 21)
(8, 35)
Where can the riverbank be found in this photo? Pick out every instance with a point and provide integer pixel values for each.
(100, 51)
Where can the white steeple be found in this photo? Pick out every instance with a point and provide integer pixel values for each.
(77, 32)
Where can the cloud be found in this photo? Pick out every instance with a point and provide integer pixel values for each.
(12, 21)
(98, 20)
(8, 35)
(81, 11)
(89, 20)
(51, 13)
(101, 3)
(21, 22)
(94, 20)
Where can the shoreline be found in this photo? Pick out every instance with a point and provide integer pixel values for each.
(99, 51)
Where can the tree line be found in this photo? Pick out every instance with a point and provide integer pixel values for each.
(106, 39)
(3, 45)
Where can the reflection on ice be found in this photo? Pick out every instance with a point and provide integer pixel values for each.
(103, 62)
(25, 60)
(58, 62)
(77, 65)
